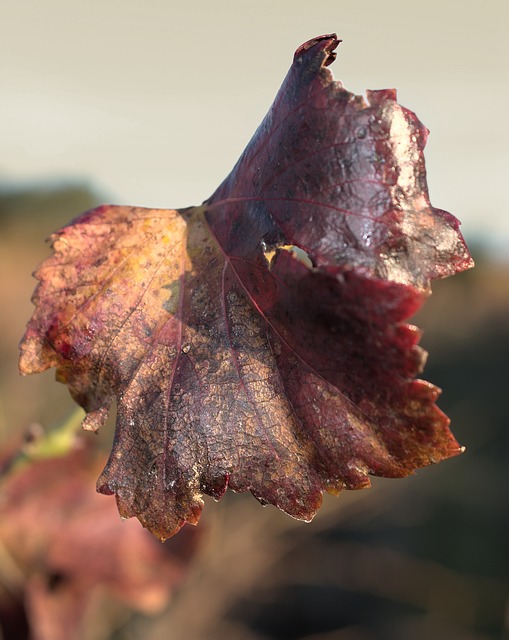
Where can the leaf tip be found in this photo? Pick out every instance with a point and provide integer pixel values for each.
(327, 43)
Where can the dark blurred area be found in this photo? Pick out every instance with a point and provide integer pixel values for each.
(424, 557)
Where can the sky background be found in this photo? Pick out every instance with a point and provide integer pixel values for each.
(151, 102)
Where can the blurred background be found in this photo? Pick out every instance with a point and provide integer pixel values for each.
(151, 103)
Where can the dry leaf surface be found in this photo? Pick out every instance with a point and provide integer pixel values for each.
(258, 342)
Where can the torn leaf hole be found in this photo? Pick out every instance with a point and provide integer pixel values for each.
(298, 253)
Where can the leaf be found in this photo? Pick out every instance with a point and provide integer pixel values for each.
(64, 550)
(258, 341)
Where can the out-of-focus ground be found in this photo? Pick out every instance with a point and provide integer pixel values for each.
(424, 557)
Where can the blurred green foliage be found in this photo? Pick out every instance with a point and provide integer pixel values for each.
(37, 208)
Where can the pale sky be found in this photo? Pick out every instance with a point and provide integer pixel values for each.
(151, 102)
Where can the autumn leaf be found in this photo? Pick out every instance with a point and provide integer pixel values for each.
(258, 341)
(64, 550)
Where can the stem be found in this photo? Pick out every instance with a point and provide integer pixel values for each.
(41, 445)
(56, 442)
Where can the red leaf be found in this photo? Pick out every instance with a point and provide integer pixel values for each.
(258, 341)
(68, 546)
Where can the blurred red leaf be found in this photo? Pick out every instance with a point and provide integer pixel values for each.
(66, 544)
(258, 341)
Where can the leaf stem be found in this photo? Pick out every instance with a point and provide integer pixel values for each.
(40, 444)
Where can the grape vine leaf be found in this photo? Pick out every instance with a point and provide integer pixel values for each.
(258, 341)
